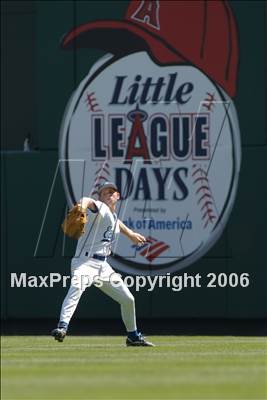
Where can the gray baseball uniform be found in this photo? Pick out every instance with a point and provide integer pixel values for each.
(89, 267)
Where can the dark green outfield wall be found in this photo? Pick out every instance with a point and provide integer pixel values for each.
(37, 81)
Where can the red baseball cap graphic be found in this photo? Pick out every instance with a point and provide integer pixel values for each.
(202, 33)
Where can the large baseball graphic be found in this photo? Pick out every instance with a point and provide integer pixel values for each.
(168, 136)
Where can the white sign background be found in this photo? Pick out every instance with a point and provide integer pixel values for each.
(198, 189)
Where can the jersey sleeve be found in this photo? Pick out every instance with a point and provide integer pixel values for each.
(96, 207)
(101, 208)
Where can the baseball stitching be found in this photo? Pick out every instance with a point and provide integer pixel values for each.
(209, 101)
(101, 175)
(204, 195)
(91, 102)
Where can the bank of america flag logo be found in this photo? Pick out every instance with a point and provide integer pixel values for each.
(152, 248)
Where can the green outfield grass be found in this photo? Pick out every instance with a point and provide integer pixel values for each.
(101, 367)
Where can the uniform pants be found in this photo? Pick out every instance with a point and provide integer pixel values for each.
(87, 272)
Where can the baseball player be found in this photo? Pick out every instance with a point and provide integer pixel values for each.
(89, 265)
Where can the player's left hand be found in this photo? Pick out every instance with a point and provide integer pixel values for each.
(138, 239)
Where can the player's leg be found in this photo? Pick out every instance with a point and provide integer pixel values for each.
(80, 280)
(124, 297)
(119, 292)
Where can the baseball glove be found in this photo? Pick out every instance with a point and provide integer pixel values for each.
(74, 223)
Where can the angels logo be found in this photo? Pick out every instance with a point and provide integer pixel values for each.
(156, 117)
